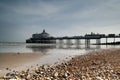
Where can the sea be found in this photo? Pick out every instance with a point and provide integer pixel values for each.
(52, 52)
(22, 47)
(58, 47)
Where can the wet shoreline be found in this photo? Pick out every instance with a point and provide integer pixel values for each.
(94, 65)
(16, 61)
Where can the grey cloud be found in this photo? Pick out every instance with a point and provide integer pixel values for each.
(20, 18)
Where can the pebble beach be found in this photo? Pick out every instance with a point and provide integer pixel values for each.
(96, 65)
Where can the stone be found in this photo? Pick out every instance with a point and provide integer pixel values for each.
(65, 75)
(55, 74)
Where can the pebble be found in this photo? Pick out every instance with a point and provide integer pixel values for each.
(75, 69)
(55, 74)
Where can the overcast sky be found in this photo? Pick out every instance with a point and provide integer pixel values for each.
(19, 19)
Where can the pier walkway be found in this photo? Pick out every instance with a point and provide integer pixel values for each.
(88, 38)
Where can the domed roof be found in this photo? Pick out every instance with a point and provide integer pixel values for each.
(44, 32)
(41, 35)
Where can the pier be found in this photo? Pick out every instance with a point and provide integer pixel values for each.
(88, 37)
(46, 38)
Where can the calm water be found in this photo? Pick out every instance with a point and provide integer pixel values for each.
(46, 48)
(52, 53)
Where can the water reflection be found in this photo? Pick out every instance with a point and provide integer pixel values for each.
(40, 48)
(45, 48)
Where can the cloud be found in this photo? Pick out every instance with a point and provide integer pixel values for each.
(42, 10)
(58, 17)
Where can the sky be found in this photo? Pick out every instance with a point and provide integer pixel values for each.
(19, 19)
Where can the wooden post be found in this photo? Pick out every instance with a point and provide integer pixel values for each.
(87, 43)
(98, 41)
(106, 40)
(114, 39)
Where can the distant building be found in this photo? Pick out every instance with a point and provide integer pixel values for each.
(93, 35)
(43, 37)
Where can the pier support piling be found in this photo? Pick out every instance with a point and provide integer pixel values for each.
(114, 40)
(87, 43)
(68, 42)
(78, 41)
(106, 40)
(61, 42)
(98, 41)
